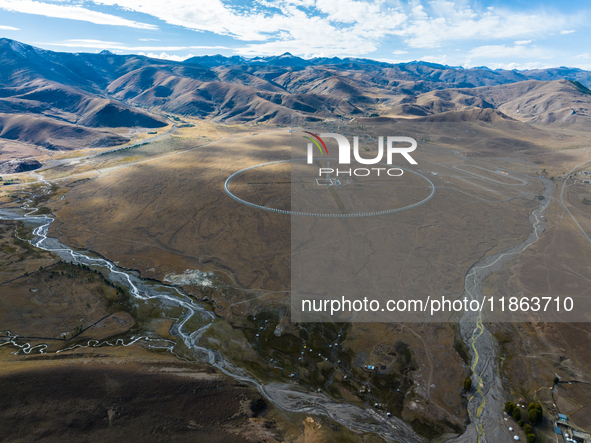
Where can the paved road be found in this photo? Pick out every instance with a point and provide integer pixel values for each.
(53, 163)
(127, 165)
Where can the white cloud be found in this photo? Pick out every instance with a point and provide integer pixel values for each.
(211, 15)
(391, 60)
(149, 40)
(439, 59)
(165, 56)
(570, 31)
(419, 13)
(8, 28)
(522, 42)
(348, 11)
(450, 22)
(69, 12)
(329, 27)
(348, 27)
(100, 44)
(520, 66)
(399, 52)
(503, 51)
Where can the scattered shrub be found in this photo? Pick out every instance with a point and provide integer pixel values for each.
(516, 414)
(509, 407)
(468, 384)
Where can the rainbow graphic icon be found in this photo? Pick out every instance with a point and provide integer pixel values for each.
(316, 142)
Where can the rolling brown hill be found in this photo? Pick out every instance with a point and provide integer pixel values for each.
(67, 103)
(63, 94)
(561, 101)
(558, 102)
(52, 134)
(226, 94)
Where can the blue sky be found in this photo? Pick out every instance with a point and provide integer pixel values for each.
(516, 34)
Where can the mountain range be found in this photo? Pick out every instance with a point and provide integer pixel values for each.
(62, 101)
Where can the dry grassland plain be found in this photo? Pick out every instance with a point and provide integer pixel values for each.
(161, 209)
(130, 393)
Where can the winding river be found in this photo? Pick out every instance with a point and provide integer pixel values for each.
(287, 396)
(486, 404)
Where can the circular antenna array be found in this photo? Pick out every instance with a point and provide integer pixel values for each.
(320, 214)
